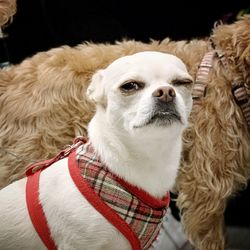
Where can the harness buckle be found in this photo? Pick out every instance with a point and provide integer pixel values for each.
(76, 143)
(39, 166)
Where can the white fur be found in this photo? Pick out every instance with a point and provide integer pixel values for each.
(145, 155)
(148, 156)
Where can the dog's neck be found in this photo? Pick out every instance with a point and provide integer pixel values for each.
(150, 163)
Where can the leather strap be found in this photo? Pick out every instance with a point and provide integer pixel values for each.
(200, 84)
(240, 89)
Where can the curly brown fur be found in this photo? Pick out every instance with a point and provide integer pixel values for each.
(43, 103)
(43, 106)
(7, 10)
(216, 160)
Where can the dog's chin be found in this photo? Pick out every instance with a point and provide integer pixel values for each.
(161, 119)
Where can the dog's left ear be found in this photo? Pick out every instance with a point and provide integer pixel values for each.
(234, 40)
(95, 91)
(241, 42)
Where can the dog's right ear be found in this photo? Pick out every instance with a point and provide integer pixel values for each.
(95, 91)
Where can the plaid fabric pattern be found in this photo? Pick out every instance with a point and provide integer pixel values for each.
(144, 220)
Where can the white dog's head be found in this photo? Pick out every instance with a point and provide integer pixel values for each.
(143, 102)
(143, 91)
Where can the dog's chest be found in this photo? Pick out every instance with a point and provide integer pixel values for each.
(127, 205)
(84, 197)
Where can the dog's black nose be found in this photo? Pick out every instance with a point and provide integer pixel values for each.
(164, 94)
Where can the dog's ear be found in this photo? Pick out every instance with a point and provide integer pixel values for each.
(95, 91)
(234, 41)
(241, 38)
(241, 42)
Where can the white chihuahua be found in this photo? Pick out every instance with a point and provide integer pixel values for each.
(110, 192)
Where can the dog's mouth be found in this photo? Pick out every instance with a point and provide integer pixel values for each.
(162, 119)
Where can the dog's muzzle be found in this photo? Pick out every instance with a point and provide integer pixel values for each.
(164, 112)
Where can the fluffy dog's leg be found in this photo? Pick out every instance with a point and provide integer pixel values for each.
(205, 230)
(210, 174)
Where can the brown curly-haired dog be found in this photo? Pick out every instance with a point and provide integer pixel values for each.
(43, 106)
(7, 10)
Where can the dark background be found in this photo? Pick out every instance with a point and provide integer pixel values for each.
(43, 24)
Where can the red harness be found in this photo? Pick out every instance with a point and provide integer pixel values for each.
(140, 235)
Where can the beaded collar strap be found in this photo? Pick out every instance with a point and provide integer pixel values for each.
(240, 89)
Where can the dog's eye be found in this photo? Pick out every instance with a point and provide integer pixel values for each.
(182, 82)
(132, 86)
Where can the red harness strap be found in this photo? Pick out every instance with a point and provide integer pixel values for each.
(36, 211)
(99, 205)
(34, 206)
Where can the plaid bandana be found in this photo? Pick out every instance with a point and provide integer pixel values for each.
(135, 213)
